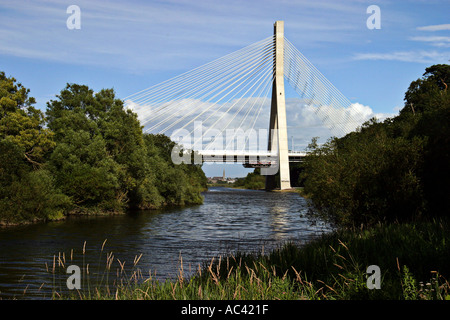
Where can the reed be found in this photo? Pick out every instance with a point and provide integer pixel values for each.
(412, 257)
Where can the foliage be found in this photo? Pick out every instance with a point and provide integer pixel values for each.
(335, 264)
(332, 266)
(177, 184)
(27, 188)
(34, 197)
(104, 160)
(88, 154)
(254, 180)
(391, 170)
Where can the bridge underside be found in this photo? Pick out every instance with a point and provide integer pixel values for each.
(252, 161)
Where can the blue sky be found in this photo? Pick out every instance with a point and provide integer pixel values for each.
(131, 45)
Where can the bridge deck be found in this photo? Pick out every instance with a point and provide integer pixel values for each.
(248, 158)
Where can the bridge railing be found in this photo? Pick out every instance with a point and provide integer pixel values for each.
(248, 158)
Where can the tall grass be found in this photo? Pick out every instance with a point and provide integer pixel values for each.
(412, 258)
(98, 280)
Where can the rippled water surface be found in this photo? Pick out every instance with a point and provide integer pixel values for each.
(228, 220)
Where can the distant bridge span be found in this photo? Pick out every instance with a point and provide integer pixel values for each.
(248, 159)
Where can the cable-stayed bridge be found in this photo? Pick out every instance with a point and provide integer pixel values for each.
(233, 109)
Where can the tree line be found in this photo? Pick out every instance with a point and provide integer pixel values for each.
(393, 170)
(254, 180)
(86, 154)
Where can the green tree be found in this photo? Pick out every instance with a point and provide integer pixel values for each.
(27, 188)
(432, 122)
(86, 173)
(21, 123)
(254, 180)
(391, 170)
(105, 162)
(177, 184)
(90, 159)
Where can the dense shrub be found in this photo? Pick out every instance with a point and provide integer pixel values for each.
(391, 170)
(86, 154)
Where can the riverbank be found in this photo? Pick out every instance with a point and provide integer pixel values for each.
(298, 190)
(261, 186)
(89, 212)
(412, 258)
(228, 220)
(91, 158)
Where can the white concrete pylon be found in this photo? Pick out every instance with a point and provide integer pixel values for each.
(278, 113)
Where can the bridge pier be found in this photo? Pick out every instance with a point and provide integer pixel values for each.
(278, 138)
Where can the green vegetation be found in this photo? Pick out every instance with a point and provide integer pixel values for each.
(86, 155)
(384, 186)
(254, 180)
(333, 266)
(396, 170)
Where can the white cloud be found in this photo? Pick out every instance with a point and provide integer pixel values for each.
(437, 27)
(421, 56)
(431, 39)
(436, 41)
(139, 36)
(307, 121)
(418, 56)
(304, 121)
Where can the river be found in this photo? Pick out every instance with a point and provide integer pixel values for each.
(228, 220)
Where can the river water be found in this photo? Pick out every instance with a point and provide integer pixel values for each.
(228, 220)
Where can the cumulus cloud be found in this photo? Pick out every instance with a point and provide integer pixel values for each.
(308, 121)
(223, 123)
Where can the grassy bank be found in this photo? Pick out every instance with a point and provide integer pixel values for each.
(413, 260)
